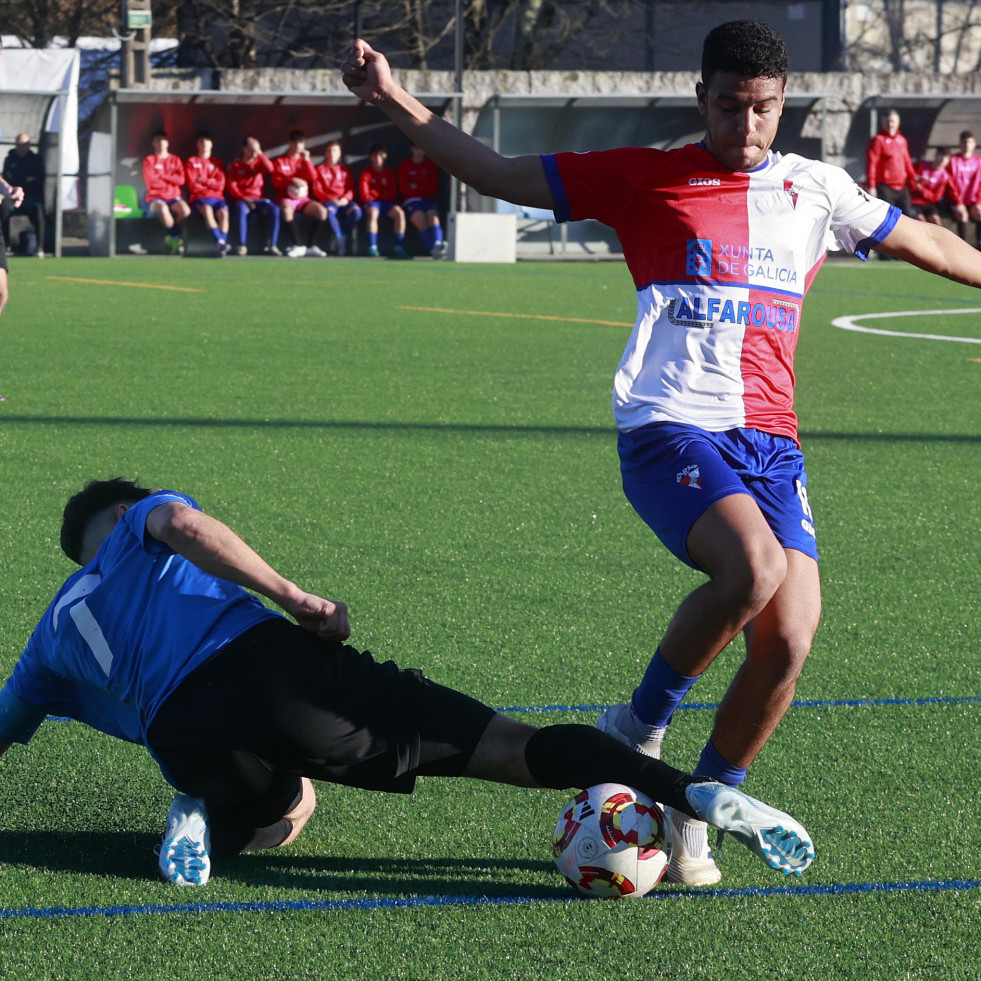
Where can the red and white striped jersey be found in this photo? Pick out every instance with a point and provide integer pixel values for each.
(721, 262)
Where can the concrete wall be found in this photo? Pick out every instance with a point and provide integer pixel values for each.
(848, 93)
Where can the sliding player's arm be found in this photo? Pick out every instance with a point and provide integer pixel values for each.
(520, 180)
(213, 547)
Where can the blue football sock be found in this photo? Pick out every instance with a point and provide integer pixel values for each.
(218, 234)
(427, 238)
(372, 238)
(713, 764)
(399, 238)
(660, 692)
(437, 231)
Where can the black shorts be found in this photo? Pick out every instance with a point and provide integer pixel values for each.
(899, 197)
(278, 704)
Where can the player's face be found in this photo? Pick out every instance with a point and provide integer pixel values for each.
(892, 123)
(967, 146)
(160, 145)
(378, 159)
(204, 147)
(334, 153)
(742, 116)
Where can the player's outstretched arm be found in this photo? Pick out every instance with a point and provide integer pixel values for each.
(934, 248)
(520, 180)
(212, 546)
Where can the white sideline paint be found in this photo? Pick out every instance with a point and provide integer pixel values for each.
(851, 323)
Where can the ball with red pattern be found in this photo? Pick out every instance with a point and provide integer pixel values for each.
(610, 842)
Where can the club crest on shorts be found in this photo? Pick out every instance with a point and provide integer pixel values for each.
(691, 476)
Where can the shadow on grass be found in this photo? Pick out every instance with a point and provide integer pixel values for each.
(119, 854)
(128, 855)
(394, 876)
(439, 427)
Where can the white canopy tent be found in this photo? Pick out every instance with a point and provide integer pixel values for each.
(39, 96)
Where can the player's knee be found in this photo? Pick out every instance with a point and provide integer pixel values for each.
(300, 814)
(750, 584)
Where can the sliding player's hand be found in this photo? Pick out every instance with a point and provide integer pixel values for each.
(323, 617)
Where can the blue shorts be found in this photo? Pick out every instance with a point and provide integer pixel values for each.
(216, 203)
(672, 474)
(412, 205)
(167, 201)
(385, 207)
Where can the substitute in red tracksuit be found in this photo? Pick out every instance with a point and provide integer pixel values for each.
(245, 185)
(888, 166)
(206, 189)
(378, 190)
(293, 164)
(964, 187)
(334, 189)
(419, 184)
(163, 174)
(931, 185)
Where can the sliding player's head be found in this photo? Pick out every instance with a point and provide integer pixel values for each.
(91, 514)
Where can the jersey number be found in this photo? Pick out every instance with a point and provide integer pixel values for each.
(86, 624)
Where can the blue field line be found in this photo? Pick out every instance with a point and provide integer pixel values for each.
(808, 703)
(417, 902)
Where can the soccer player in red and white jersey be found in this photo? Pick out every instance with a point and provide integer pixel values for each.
(163, 174)
(334, 189)
(419, 186)
(888, 166)
(292, 164)
(722, 239)
(378, 191)
(964, 186)
(205, 175)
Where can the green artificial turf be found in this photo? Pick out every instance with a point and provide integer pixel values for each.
(433, 444)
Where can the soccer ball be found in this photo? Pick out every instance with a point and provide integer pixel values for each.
(610, 841)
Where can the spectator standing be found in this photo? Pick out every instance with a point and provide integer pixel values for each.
(25, 169)
(163, 174)
(931, 185)
(889, 168)
(964, 186)
(244, 183)
(334, 189)
(378, 190)
(206, 190)
(419, 186)
(292, 164)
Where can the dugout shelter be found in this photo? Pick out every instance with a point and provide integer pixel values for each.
(130, 117)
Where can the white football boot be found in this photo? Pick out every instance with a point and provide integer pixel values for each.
(691, 860)
(183, 853)
(620, 722)
(771, 835)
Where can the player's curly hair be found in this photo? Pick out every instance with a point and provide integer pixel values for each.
(747, 48)
(96, 496)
